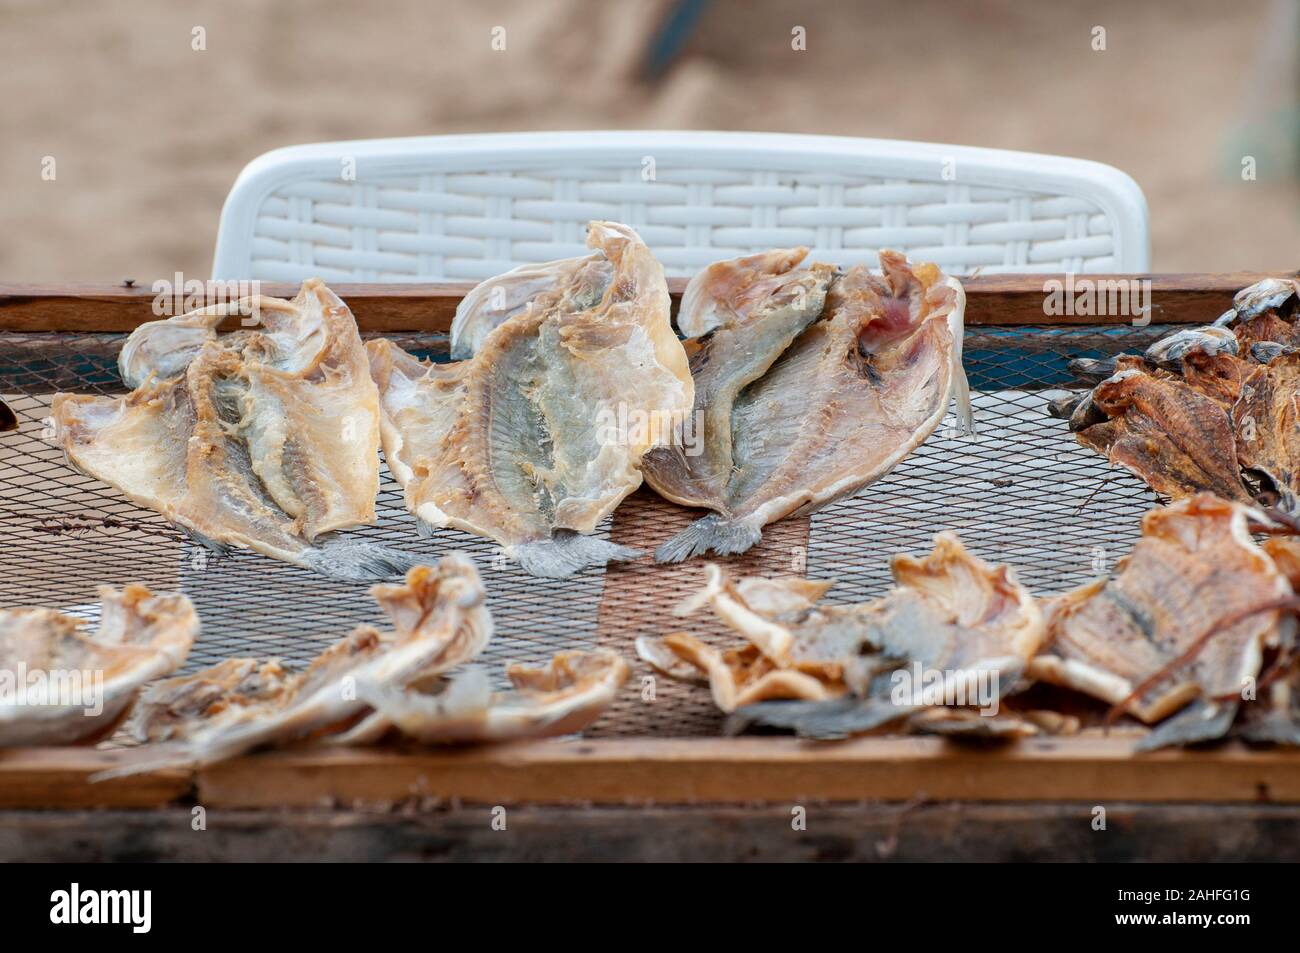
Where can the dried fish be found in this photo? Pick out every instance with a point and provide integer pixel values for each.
(1205, 409)
(953, 632)
(563, 697)
(438, 618)
(47, 657)
(853, 394)
(1195, 568)
(265, 438)
(953, 625)
(762, 313)
(1174, 437)
(540, 435)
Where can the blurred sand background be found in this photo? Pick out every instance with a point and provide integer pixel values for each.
(148, 134)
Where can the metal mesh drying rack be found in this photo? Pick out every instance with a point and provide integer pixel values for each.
(1020, 490)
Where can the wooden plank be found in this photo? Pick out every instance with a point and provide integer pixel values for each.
(870, 832)
(60, 778)
(670, 771)
(743, 770)
(385, 308)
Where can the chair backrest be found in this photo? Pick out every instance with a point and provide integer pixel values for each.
(469, 207)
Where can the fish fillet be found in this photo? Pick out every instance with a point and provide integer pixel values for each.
(140, 636)
(853, 394)
(539, 436)
(265, 438)
(1195, 565)
(438, 620)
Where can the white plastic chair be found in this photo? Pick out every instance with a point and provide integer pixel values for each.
(469, 207)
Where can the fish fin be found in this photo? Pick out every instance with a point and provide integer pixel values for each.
(165, 756)
(211, 545)
(356, 560)
(566, 552)
(713, 533)
(1093, 370)
(1199, 721)
(1273, 728)
(822, 720)
(961, 394)
(423, 528)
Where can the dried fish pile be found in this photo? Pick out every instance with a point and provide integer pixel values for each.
(1177, 640)
(567, 385)
(408, 679)
(1205, 409)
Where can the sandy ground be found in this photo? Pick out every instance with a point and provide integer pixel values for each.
(148, 134)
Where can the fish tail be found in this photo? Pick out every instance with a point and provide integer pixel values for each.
(712, 533)
(1278, 729)
(566, 552)
(821, 720)
(354, 560)
(1198, 722)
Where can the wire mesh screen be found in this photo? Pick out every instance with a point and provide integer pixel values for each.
(1019, 490)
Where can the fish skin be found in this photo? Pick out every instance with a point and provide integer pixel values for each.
(856, 392)
(211, 449)
(515, 444)
(731, 356)
(1196, 560)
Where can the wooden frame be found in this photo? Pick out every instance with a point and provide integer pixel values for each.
(652, 770)
(990, 300)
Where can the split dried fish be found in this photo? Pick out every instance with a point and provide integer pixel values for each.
(853, 394)
(1174, 437)
(439, 620)
(540, 435)
(140, 636)
(1195, 567)
(565, 696)
(265, 438)
(754, 308)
